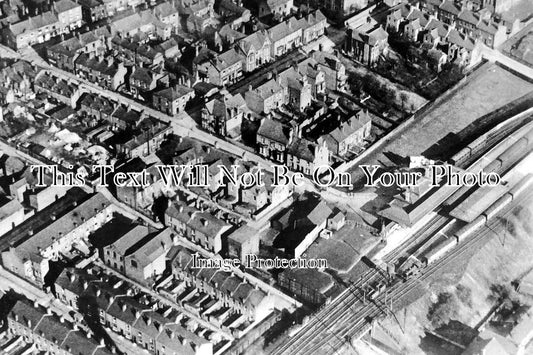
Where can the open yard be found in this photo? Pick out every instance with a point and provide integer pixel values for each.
(407, 64)
(520, 46)
(520, 9)
(364, 82)
(489, 88)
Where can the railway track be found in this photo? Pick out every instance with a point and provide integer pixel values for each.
(338, 317)
(401, 290)
(421, 235)
(318, 319)
(339, 323)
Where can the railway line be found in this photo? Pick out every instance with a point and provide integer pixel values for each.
(505, 158)
(453, 256)
(366, 313)
(337, 317)
(318, 319)
(420, 236)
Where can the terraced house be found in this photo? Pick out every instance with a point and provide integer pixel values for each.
(256, 49)
(64, 17)
(30, 257)
(51, 333)
(231, 291)
(223, 70)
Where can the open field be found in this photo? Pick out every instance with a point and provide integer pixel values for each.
(520, 9)
(484, 91)
(520, 46)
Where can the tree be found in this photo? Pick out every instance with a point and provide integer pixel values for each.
(499, 293)
(443, 310)
(464, 294)
(404, 97)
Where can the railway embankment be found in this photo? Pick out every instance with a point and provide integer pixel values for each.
(466, 292)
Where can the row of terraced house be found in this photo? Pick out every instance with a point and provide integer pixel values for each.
(261, 47)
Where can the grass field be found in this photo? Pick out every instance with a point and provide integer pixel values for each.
(485, 91)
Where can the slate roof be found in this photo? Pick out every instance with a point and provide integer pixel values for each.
(174, 93)
(128, 23)
(65, 224)
(26, 311)
(126, 115)
(370, 35)
(256, 41)
(164, 10)
(67, 47)
(90, 3)
(346, 129)
(218, 108)
(468, 16)
(243, 233)
(10, 208)
(455, 37)
(421, 16)
(377, 35)
(451, 7)
(33, 23)
(220, 277)
(78, 343)
(207, 224)
(65, 5)
(168, 44)
(74, 280)
(230, 284)
(439, 25)
(282, 30)
(180, 340)
(312, 278)
(102, 66)
(397, 214)
(129, 239)
(320, 213)
(97, 102)
(228, 59)
(487, 26)
(315, 18)
(180, 211)
(229, 33)
(273, 130)
(268, 89)
(302, 149)
(153, 248)
(56, 330)
(126, 309)
(52, 329)
(144, 75)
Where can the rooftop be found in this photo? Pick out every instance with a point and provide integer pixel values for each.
(64, 225)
